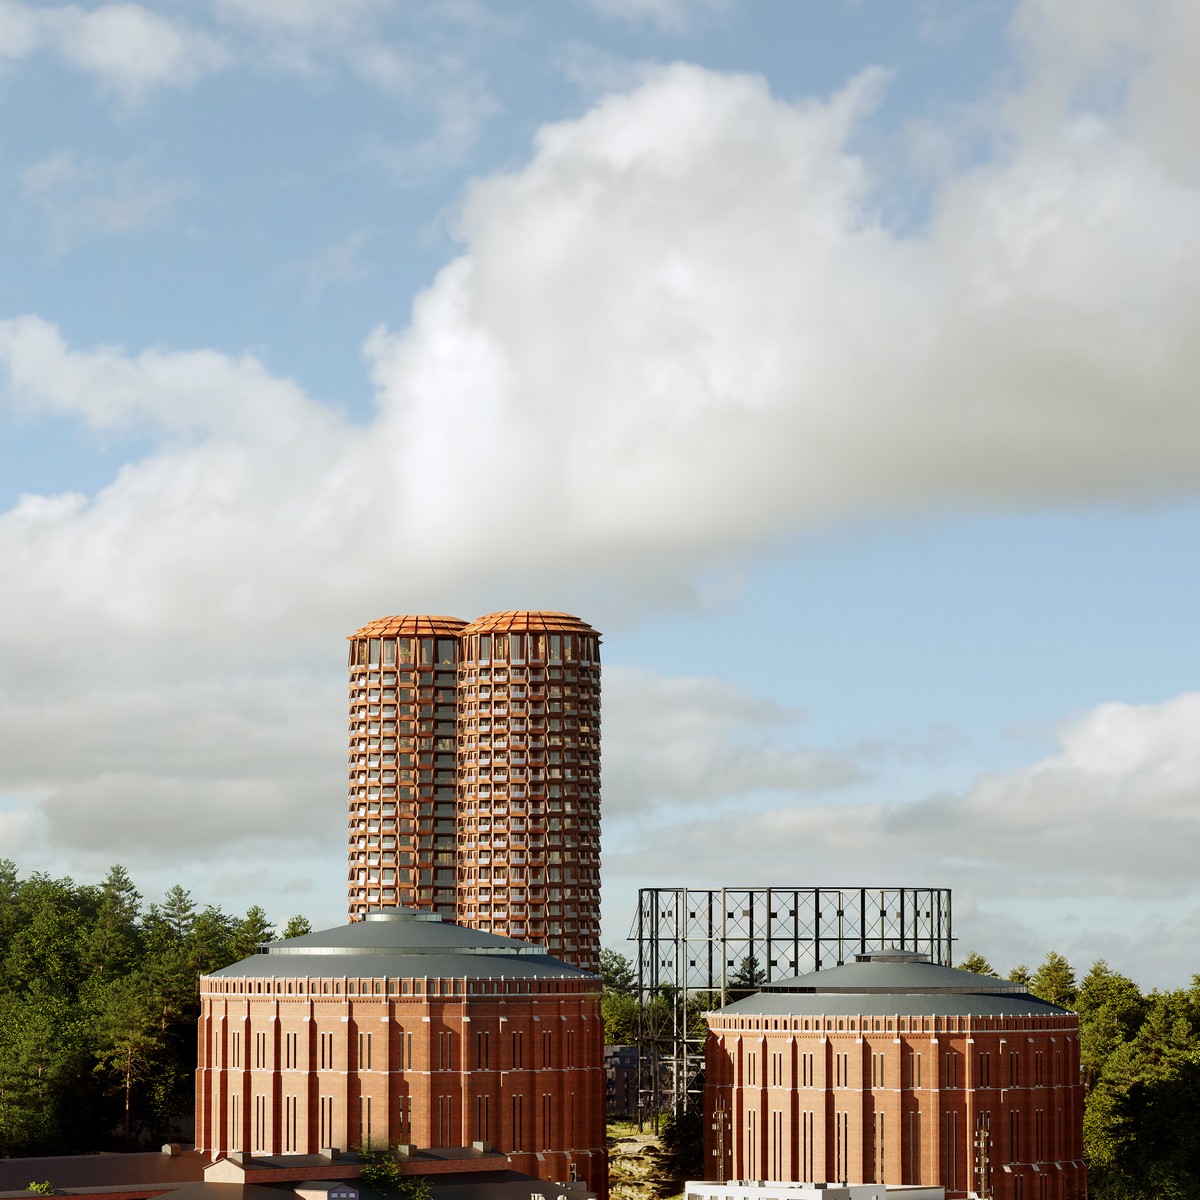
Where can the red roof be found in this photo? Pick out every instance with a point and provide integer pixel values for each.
(410, 626)
(535, 621)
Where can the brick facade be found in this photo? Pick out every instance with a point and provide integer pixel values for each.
(292, 1065)
(529, 782)
(983, 1105)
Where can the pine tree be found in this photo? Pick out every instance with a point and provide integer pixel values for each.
(114, 942)
(977, 964)
(297, 927)
(1054, 981)
(253, 929)
(178, 911)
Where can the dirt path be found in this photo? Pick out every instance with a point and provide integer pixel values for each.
(638, 1167)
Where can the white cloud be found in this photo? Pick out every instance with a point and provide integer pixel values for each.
(676, 333)
(697, 742)
(1110, 820)
(133, 50)
(598, 71)
(460, 104)
(128, 48)
(156, 390)
(1115, 813)
(302, 35)
(80, 199)
(416, 54)
(671, 15)
(333, 266)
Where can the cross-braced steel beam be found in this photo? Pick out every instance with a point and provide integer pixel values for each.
(698, 948)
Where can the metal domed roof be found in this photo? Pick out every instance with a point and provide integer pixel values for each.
(401, 943)
(893, 983)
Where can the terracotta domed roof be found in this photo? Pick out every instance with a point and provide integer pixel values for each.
(411, 626)
(537, 621)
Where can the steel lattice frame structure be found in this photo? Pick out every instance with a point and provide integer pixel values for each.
(693, 942)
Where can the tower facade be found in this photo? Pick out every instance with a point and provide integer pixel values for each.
(403, 764)
(529, 781)
(475, 774)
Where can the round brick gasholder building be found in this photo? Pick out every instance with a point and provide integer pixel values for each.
(892, 1070)
(403, 1028)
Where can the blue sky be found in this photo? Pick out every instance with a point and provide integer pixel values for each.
(836, 360)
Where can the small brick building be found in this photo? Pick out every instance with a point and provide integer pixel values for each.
(405, 1029)
(892, 1070)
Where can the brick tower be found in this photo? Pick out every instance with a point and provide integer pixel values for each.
(529, 781)
(403, 752)
(475, 774)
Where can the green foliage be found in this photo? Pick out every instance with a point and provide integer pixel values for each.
(178, 911)
(98, 1009)
(747, 979)
(296, 927)
(976, 963)
(616, 973)
(1140, 1062)
(1141, 1126)
(1054, 981)
(682, 1137)
(251, 930)
(45, 1188)
(381, 1170)
(620, 1014)
(1111, 1011)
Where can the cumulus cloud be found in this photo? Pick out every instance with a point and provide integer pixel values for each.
(679, 331)
(739, 345)
(1111, 817)
(1074, 822)
(697, 742)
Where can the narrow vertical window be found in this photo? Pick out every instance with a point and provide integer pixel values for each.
(951, 1176)
(914, 1136)
(518, 1122)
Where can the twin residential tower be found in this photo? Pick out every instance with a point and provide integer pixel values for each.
(475, 774)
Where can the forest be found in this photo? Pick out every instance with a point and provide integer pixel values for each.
(1140, 1057)
(98, 1009)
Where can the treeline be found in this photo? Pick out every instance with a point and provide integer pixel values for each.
(1140, 1062)
(98, 1008)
